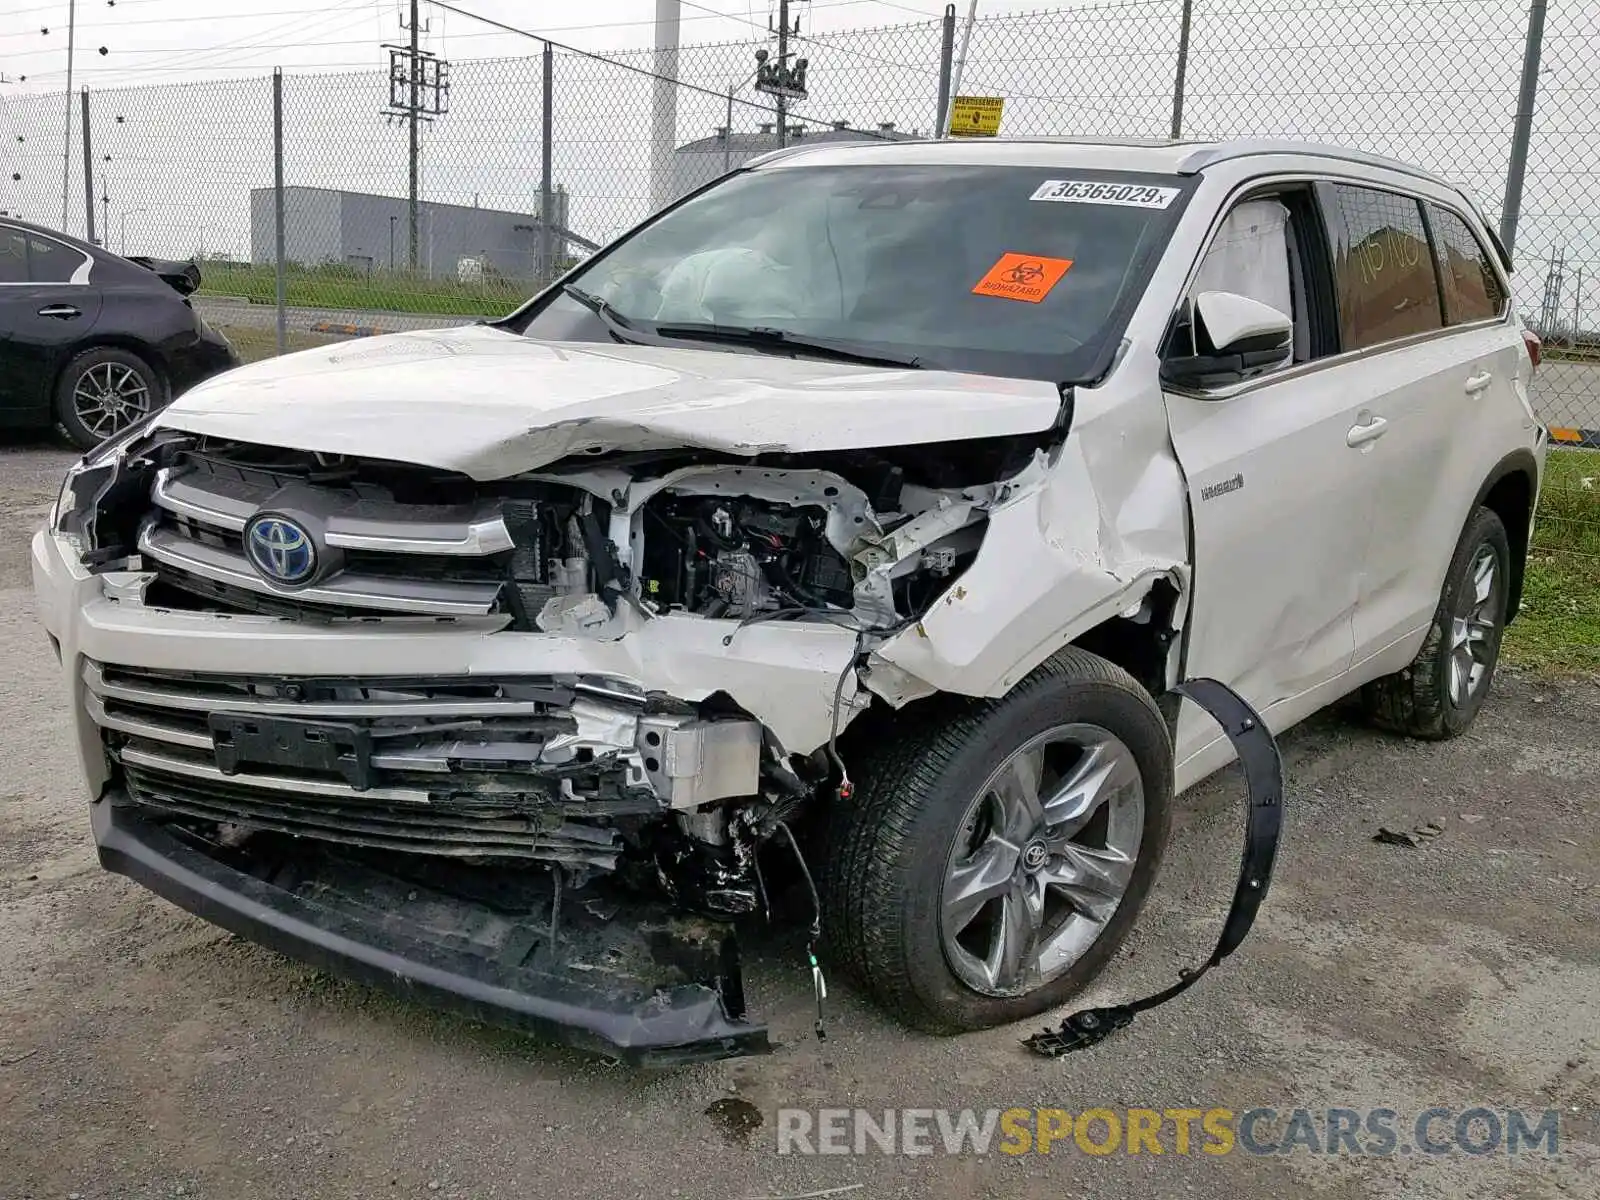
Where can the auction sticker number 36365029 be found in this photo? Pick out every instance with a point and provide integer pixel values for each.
(1126, 195)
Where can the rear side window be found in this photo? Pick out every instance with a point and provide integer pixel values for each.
(51, 262)
(1383, 266)
(13, 256)
(1472, 290)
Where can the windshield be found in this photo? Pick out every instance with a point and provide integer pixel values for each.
(1021, 271)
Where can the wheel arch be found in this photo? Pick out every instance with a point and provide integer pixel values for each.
(1510, 491)
(116, 341)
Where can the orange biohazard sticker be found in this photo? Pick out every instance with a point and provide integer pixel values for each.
(1022, 277)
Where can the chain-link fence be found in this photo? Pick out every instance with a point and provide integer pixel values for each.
(189, 170)
(538, 160)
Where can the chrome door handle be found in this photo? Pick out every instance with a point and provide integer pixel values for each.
(64, 311)
(1360, 435)
(1477, 383)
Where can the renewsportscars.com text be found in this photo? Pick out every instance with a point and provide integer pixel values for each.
(1181, 1131)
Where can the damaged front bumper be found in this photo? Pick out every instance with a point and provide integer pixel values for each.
(642, 984)
(605, 967)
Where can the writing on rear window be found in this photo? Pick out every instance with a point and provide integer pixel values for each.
(1080, 191)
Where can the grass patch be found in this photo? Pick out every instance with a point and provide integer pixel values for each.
(1569, 503)
(343, 288)
(1558, 629)
(254, 344)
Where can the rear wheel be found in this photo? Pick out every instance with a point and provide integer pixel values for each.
(102, 392)
(992, 860)
(1440, 693)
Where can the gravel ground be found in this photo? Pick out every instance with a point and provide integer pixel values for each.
(144, 1053)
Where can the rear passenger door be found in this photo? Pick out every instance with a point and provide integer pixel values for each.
(1422, 305)
(47, 306)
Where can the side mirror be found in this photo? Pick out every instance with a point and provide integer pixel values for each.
(1234, 338)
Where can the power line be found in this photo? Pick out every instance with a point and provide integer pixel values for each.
(210, 57)
(209, 17)
(612, 62)
(912, 67)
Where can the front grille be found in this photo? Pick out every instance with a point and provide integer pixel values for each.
(392, 556)
(460, 829)
(520, 768)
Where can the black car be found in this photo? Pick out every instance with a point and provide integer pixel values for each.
(92, 341)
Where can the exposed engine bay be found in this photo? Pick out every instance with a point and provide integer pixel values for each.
(588, 773)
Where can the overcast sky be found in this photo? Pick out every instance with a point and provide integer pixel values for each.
(1432, 81)
(161, 40)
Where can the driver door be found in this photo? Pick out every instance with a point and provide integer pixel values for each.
(1280, 504)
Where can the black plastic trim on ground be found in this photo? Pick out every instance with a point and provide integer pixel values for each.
(1263, 776)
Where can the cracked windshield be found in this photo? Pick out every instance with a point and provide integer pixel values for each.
(1005, 270)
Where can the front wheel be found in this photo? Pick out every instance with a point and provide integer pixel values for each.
(993, 859)
(1440, 693)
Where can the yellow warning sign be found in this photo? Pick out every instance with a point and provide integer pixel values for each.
(976, 116)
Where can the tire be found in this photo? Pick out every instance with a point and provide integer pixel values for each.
(136, 386)
(1435, 697)
(894, 845)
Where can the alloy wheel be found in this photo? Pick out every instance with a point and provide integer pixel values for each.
(109, 397)
(1044, 856)
(1472, 628)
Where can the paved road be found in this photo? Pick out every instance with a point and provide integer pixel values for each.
(264, 316)
(1564, 393)
(145, 1054)
(1568, 394)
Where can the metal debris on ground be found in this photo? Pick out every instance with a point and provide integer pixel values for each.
(1396, 837)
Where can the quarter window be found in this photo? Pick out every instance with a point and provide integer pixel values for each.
(51, 262)
(13, 256)
(1383, 267)
(1472, 290)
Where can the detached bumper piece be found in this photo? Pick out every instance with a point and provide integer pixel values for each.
(1263, 775)
(595, 968)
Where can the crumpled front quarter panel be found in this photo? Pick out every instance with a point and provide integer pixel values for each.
(1080, 537)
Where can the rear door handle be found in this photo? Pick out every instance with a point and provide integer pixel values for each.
(1360, 435)
(1477, 383)
(64, 312)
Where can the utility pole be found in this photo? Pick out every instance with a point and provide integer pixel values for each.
(413, 106)
(663, 103)
(783, 61)
(88, 179)
(779, 79)
(1577, 300)
(1183, 69)
(419, 88)
(66, 145)
(1522, 130)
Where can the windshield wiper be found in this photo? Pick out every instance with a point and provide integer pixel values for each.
(616, 324)
(766, 337)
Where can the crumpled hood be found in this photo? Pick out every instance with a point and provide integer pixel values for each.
(490, 403)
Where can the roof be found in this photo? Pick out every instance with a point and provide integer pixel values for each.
(755, 142)
(1144, 155)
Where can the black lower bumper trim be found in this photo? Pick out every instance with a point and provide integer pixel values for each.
(686, 1020)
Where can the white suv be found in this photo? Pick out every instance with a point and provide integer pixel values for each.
(498, 663)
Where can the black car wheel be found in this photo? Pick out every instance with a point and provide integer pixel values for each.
(103, 391)
(993, 858)
(1440, 693)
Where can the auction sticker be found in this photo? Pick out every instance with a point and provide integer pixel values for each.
(1126, 195)
(1025, 277)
